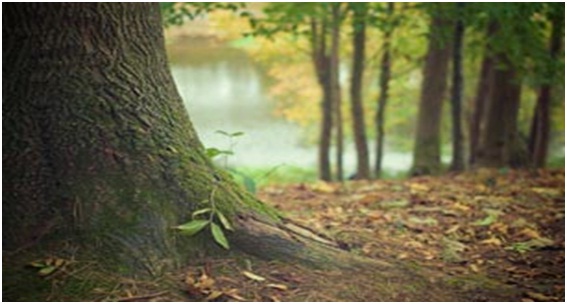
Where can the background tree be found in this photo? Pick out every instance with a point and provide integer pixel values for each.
(457, 162)
(358, 121)
(427, 150)
(384, 80)
(336, 98)
(541, 122)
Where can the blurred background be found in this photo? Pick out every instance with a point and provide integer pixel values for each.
(258, 82)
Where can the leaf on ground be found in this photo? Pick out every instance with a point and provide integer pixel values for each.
(415, 187)
(278, 286)
(253, 277)
(492, 241)
(218, 235)
(492, 216)
(233, 293)
(323, 187)
(395, 204)
(540, 297)
(215, 294)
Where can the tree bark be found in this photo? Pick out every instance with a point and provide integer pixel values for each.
(321, 64)
(336, 87)
(479, 108)
(500, 145)
(385, 74)
(426, 153)
(100, 152)
(358, 124)
(481, 99)
(541, 125)
(457, 163)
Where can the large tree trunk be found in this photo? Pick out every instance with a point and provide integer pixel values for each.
(358, 124)
(99, 150)
(336, 87)
(426, 152)
(457, 162)
(321, 64)
(385, 74)
(500, 145)
(540, 128)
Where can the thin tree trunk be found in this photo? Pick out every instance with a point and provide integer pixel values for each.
(359, 126)
(480, 104)
(427, 154)
(385, 74)
(457, 163)
(481, 100)
(322, 68)
(335, 86)
(540, 128)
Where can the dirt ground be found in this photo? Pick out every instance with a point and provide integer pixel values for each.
(505, 226)
(508, 226)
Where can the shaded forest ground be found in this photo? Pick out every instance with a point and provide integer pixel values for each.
(504, 226)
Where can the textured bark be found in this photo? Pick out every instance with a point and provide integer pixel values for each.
(426, 152)
(357, 110)
(385, 74)
(479, 108)
(100, 153)
(457, 162)
(481, 99)
(336, 98)
(321, 64)
(500, 145)
(541, 125)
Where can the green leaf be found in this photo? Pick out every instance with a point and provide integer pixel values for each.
(192, 227)
(45, 271)
(201, 211)
(218, 235)
(236, 134)
(224, 221)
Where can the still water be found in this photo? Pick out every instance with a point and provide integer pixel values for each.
(223, 89)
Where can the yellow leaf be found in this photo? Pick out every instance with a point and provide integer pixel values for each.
(233, 293)
(530, 233)
(215, 294)
(253, 277)
(540, 297)
(323, 187)
(415, 187)
(278, 286)
(492, 241)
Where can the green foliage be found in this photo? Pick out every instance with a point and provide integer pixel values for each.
(206, 217)
(176, 13)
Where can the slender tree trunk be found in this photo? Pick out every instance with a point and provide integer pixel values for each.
(540, 128)
(322, 69)
(426, 153)
(479, 108)
(335, 85)
(457, 163)
(481, 100)
(359, 126)
(385, 74)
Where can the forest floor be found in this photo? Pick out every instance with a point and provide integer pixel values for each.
(508, 226)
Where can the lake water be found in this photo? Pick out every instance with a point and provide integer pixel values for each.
(224, 90)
